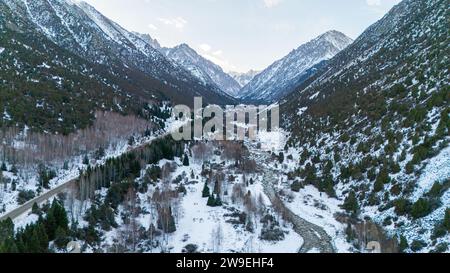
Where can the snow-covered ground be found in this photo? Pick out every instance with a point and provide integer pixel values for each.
(199, 223)
(436, 170)
(319, 209)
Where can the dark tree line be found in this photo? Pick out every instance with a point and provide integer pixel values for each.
(35, 238)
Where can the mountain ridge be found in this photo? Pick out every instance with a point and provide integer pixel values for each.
(278, 79)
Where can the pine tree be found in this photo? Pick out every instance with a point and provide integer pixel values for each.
(61, 239)
(186, 160)
(403, 244)
(4, 168)
(447, 219)
(35, 209)
(421, 208)
(86, 160)
(281, 157)
(205, 192)
(351, 203)
(42, 236)
(211, 201)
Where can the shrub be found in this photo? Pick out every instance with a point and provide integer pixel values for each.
(417, 245)
(190, 248)
(25, 196)
(421, 208)
(447, 219)
(403, 244)
(296, 186)
(402, 206)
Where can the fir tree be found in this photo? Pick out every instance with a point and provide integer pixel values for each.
(185, 160)
(403, 244)
(351, 203)
(447, 219)
(35, 209)
(61, 239)
(205, 192)
(211, 201)
(421, 208)
(86, 160)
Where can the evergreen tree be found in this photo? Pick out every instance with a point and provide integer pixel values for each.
(131, 141)
(351, 203)
(296, 186)
(4, 168)
(403, 244)
(42, 236)
(447, 219)
(35, 209)
(86, 160)
(186, 160)
(281, 157)
(421, 208)
(211, 201)
(6, 235)
(205, 192)
(61, 239)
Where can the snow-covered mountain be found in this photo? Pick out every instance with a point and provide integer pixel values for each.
(81, 29)
(148, 39)
(244, 78)
(278, 79)
(203, 69)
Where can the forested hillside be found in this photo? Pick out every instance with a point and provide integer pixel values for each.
(373, 124)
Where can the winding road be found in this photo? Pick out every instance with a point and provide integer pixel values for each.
(315, 238)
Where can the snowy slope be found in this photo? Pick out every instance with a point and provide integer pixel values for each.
(377, 115)
(244, 78)
(278, 79)
(203, 69)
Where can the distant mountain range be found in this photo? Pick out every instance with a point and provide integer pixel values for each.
(244, 78)
(203, 69)
(278, 79)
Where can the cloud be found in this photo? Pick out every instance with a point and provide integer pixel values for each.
(220, 61)
(178, 22)
(215, 56)
(152, 27)
(205, 47)
(373, 2)
(272, 3)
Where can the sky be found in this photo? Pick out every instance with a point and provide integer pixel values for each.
(240, 35)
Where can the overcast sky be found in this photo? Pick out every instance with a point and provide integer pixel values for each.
(240, 35)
